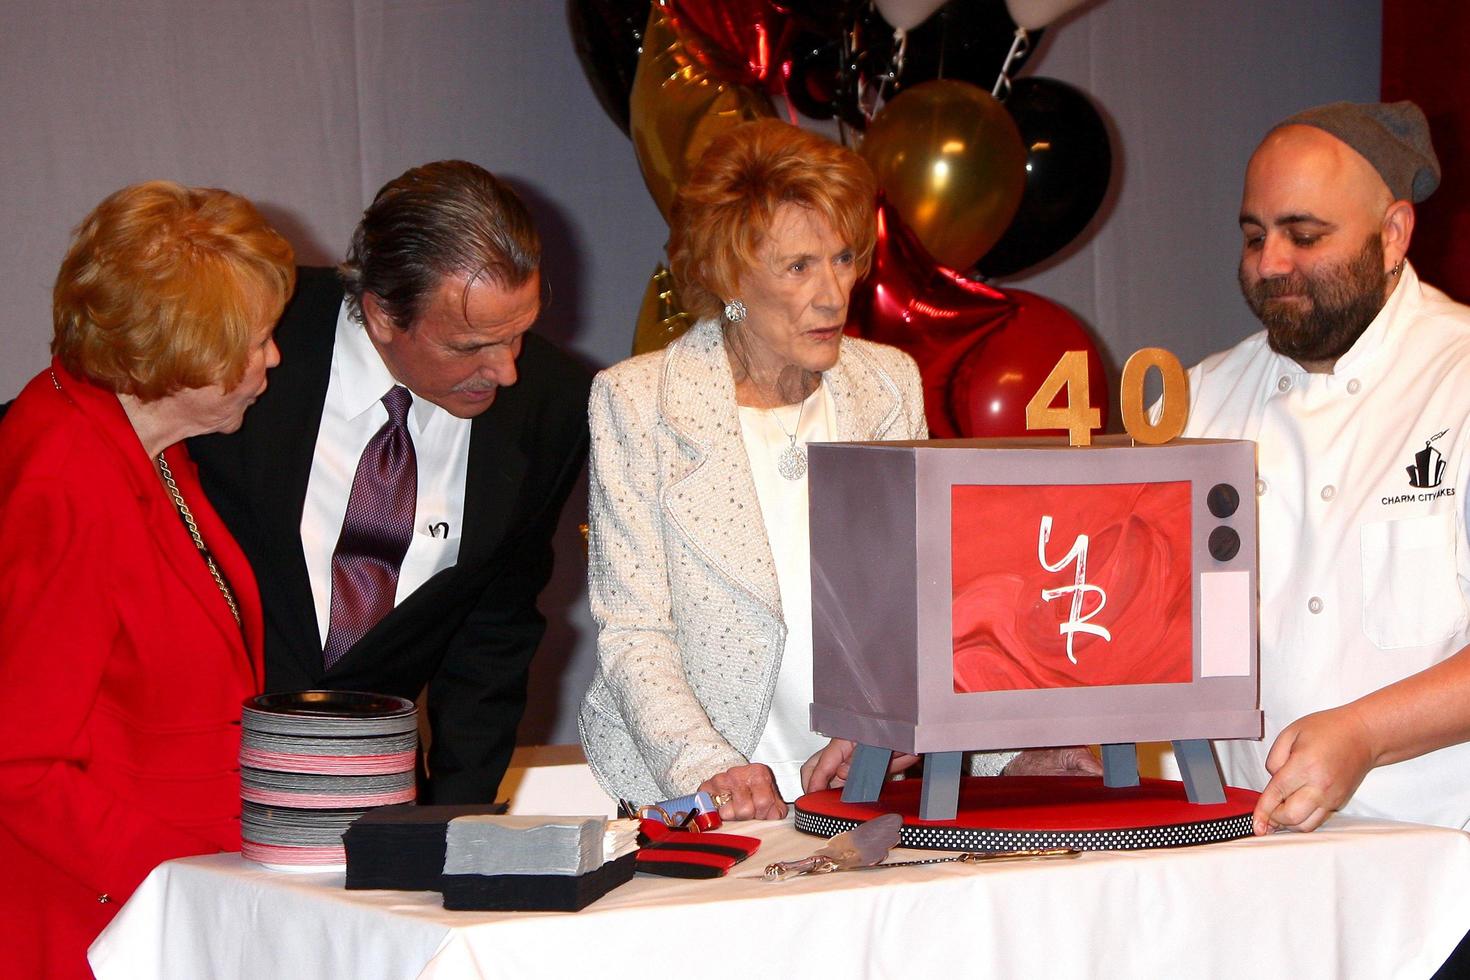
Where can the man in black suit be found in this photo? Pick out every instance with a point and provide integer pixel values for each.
(438, 293)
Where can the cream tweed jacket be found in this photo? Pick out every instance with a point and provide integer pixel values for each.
(681, 578)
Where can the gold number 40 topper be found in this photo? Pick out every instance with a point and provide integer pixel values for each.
(1079, 418)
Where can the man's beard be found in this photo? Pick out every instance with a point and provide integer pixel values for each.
(1341, 302)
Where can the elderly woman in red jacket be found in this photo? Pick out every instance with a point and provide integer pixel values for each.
(130, 626)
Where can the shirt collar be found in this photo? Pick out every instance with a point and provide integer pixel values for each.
(363, 378)
(1385, 326)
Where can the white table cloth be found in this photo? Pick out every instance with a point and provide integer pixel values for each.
(1356, 899)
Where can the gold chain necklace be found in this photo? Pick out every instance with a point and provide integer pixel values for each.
(219, 579)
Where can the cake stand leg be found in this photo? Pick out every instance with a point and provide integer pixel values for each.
(866, 772)
(940, 799)
(1199, 770)
(1120, 764)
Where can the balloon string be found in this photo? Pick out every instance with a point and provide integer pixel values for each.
(870, 98)
(1018, 50)
(895, 67)
(844, 53)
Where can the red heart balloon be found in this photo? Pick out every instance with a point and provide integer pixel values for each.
(934, 314)
(743, 42)
(1001, 373)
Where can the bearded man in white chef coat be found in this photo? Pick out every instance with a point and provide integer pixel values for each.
(1358, 396)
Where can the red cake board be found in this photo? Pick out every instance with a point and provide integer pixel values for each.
(1003, 813)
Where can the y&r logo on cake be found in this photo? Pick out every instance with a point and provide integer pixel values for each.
(1075, 622)
(1426, 474)
(1114, 608)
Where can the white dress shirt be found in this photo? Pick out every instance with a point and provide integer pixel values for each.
(352, 413)
(1364, 567)
(787, 741)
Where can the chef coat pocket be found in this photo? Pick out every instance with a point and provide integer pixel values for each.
(1411, 595)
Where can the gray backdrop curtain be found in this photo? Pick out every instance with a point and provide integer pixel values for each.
(307, 107)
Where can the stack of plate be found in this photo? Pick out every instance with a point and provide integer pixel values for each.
(311, 762)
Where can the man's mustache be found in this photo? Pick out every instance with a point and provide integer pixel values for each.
(1281, 286)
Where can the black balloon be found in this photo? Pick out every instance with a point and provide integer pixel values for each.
(828, 65)
(1068, 164)
(608, 36)
(827, 18)
(815, 75)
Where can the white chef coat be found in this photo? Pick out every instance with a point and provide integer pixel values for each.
(1364, 567)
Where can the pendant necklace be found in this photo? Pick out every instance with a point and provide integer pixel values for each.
(791, 463)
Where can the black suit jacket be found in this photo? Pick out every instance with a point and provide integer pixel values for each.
(469, 632)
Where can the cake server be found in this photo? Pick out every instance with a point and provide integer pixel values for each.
(866, 844)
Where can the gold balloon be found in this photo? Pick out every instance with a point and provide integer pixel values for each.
(660, 319)
(949, 158)
(676, 108)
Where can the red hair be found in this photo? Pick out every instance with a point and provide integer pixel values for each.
(165, 287)
(724, 210)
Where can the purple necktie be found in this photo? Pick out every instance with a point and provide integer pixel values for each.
(375, 531)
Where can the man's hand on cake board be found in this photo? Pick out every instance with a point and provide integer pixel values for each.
(745, 792)
(1069, 760)
(829, 768)
(1316, 765)
(1318, 761)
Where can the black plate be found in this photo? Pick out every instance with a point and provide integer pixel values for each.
(332, 704)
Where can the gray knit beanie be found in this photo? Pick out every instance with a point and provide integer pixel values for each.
(1392, 136)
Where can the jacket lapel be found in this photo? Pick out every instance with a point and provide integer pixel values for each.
(161, 514)
(233, 567)
(713, 502)
(494, 472)
(280, 443)
(867, 401)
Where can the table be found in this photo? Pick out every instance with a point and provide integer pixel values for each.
(1358, 898)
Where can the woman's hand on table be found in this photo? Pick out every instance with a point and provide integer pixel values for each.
(829, 768)
(1069, 760)
(745, 792)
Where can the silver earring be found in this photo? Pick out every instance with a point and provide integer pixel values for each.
(1398, 268)
(734, 311)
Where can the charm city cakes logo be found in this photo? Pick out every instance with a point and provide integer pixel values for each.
(1425, 474)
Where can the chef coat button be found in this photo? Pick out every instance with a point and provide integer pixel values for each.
(1328, 492)
(1260, 488)
(1354, 386)
(1283, 383)
(1314, 604)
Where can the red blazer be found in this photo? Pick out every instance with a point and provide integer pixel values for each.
(121, 672)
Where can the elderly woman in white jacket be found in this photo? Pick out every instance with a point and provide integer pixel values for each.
(699, 579)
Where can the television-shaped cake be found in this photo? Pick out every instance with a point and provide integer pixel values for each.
(994, 594)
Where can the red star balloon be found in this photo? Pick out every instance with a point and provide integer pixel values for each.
(982, 353)
(932, 313)
(744, 42)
